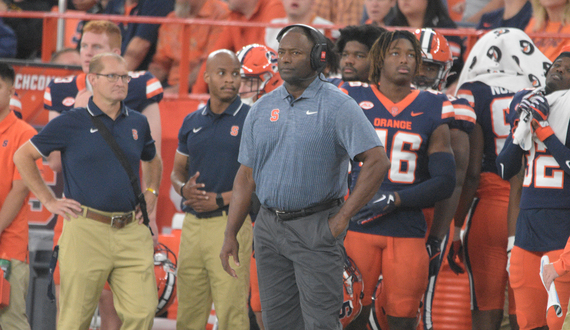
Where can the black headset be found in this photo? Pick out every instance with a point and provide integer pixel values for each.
(319, 51)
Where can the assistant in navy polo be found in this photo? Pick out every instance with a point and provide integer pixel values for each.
(92, 174)
(213, 141)
(205, 165)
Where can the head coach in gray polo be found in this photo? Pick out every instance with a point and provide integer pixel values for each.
(296, 144)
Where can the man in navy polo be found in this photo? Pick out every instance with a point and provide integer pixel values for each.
(103, 238)
(296, 145)
(205, 166)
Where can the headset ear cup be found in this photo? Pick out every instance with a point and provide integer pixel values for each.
(318, 62)
(315, 58)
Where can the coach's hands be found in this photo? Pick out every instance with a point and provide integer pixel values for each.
(65, 207)
(230, 248)
(381, 204)
(197, 198)
(549, 274)
(337, 224)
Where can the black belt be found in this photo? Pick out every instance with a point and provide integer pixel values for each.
(291, 215)
(211, 214)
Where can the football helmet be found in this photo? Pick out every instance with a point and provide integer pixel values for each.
(435, 50)
(165, 272)
(259, 68)
(352, 303)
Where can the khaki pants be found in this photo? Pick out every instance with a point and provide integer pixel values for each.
(202, 279)
(14, 316)
(90, 253)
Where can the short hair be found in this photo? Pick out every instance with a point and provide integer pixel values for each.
(109, 28)
(60, 52)
(96, 63)
(364, 34)
(7, 73)
(378, 52)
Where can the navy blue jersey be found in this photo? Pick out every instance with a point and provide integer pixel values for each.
(543, 223)
(144, 89)
(92, 173)
(491, 105)
(545, 184)
(404, 129)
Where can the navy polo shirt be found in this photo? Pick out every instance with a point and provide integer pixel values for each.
(92, 174)
(211, 143)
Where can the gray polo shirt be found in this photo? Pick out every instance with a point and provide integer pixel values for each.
(299, 149)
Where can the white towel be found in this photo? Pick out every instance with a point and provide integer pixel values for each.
(523, 133)
(507, 58)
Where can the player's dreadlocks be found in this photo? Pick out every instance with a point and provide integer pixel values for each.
(380, 48)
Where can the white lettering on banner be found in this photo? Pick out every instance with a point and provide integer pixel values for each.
(32, 82)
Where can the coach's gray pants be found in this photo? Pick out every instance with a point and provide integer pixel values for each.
(299, 266)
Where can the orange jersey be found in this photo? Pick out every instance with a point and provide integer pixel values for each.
(13, 133)
(550, 47)
(202, 39)
(235, 38)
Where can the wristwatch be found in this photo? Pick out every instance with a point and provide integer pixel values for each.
(182, 189)
(219, 200)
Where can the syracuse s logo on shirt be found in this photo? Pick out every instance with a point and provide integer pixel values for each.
(234, 130)
(135, 134)
(274, 115)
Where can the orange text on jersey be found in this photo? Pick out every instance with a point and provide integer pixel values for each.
(402, 124)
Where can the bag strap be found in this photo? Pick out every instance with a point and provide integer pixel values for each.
(125, 163)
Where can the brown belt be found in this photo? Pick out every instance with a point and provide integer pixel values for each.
(116, 221)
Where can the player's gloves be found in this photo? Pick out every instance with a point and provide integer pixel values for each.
(381, 204)
(433, 246)
(455, 257)
(539, 107)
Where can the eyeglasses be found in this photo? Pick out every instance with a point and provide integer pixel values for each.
(113, 77)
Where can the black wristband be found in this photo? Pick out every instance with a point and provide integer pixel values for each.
(219, 200)
(182, 189)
